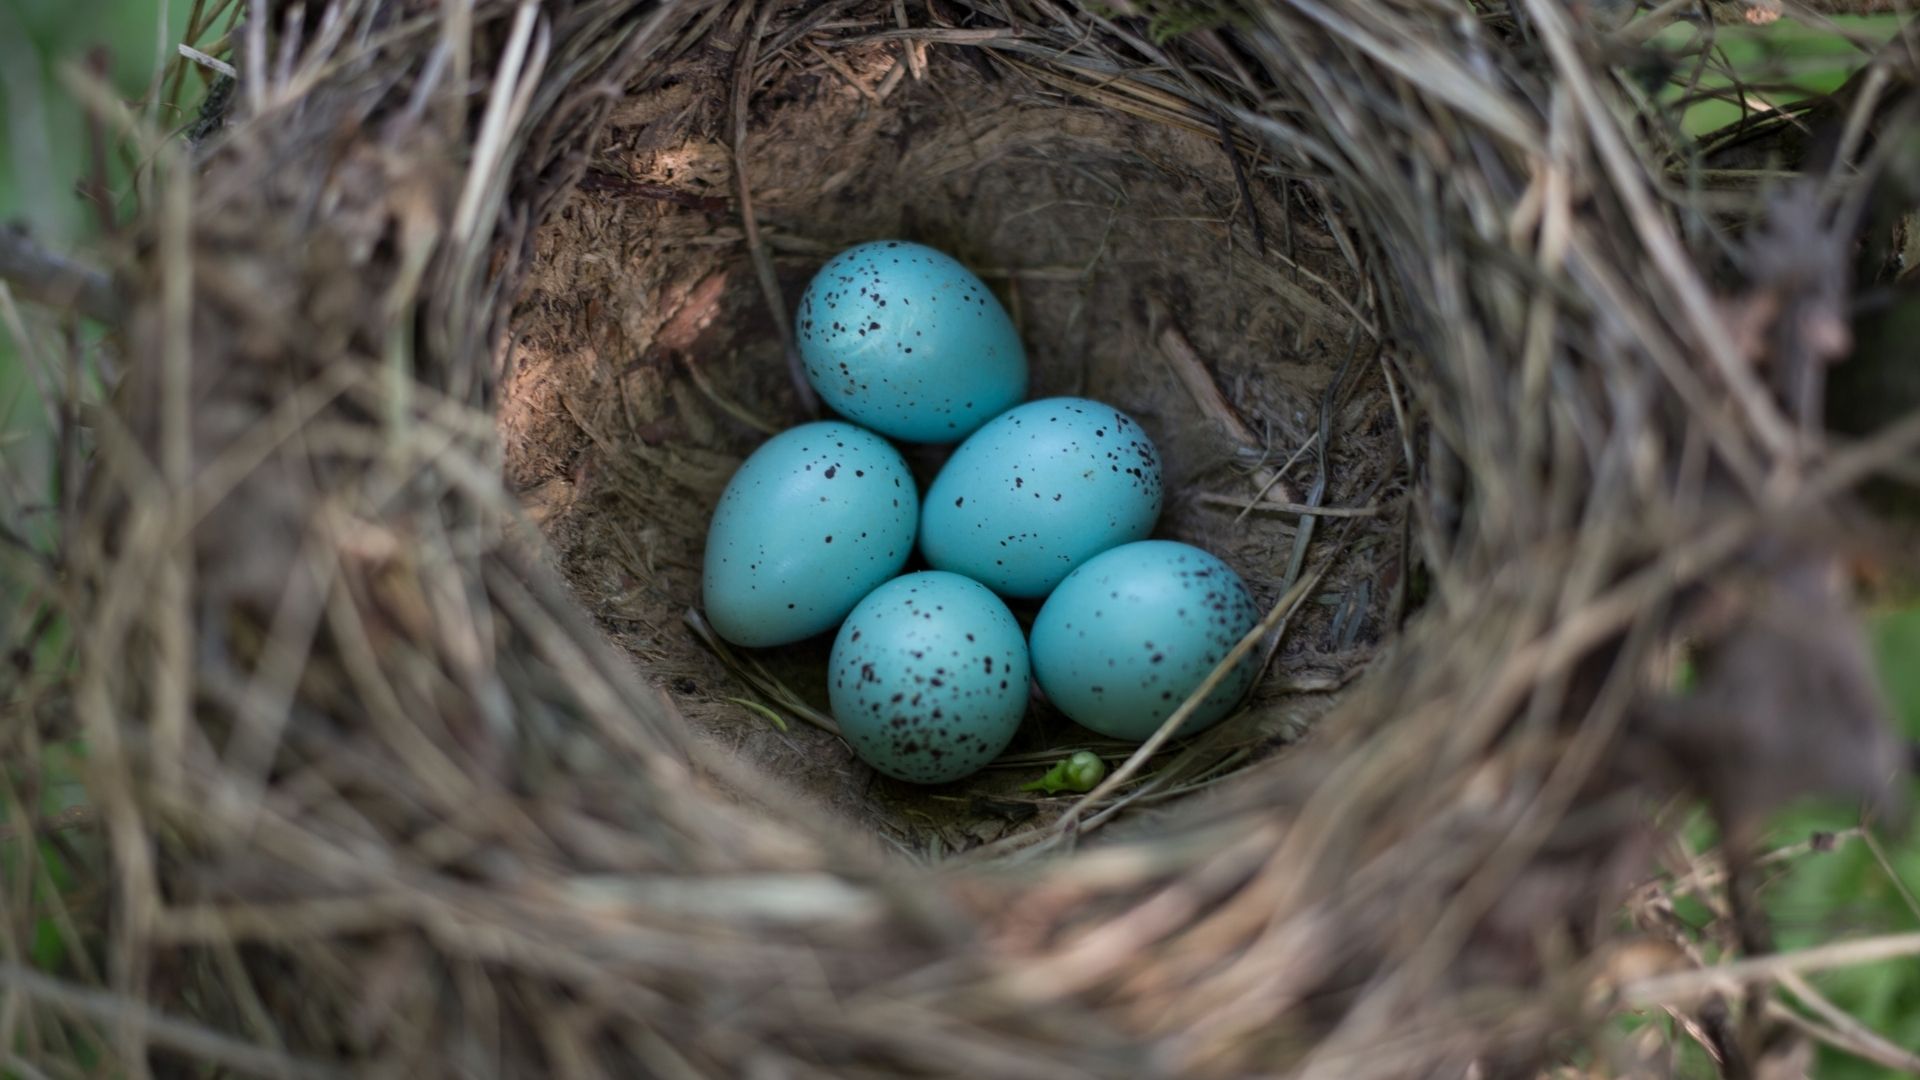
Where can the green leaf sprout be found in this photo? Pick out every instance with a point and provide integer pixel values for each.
(1080, 771)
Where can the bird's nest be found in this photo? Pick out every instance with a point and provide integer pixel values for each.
(1133, 252)
(374, 617)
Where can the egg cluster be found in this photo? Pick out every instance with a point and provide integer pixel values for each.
(1051, 500)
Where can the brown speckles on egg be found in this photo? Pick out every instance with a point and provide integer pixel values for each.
(928, 640)
(929, 368)
(1111, 617)
(788, 485)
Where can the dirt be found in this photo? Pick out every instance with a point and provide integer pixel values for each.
(646, 364)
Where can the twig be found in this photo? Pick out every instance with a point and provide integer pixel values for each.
(1240, 179)
(696, 371)
(1702, 874)
(1281, 610)
(1845, 1032)
(804, 25)
(757, 676)
(176, 73)
(210, 63)
(1317, 492)
(52, 281)
(1398, 603)
(490, 147)
(1278, 475)
(916, 64)
(1663, 247)
(762, 259)
(1893, 875)
(1192, 373)
(754, 706)
(1214, 498)
(896, 75)
(1317, 684)
(950, 37)
(1693, 985)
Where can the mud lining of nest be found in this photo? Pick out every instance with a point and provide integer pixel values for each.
(372, 791)
(645, 363)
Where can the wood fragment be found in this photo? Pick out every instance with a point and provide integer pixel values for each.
(1194, 376)
(916, 63)
(1192, 372)
(210, 63)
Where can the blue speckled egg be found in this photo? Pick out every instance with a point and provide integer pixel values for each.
(929, 677)
(812, 521)
(1123, 641)
(908, 342)
(1038, 491)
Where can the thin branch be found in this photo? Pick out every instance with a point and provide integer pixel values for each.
(1214, 498)
(1841, 1030)
(1690, 985)
(743, 75)
(1893, 874)
(53, 281)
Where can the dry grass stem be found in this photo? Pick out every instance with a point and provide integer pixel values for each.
(1691, 986)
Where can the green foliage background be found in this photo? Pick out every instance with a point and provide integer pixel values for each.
(1848, 891)
(43, 151)
(1781, 62)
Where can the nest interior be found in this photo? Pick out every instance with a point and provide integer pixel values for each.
(646, 362)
